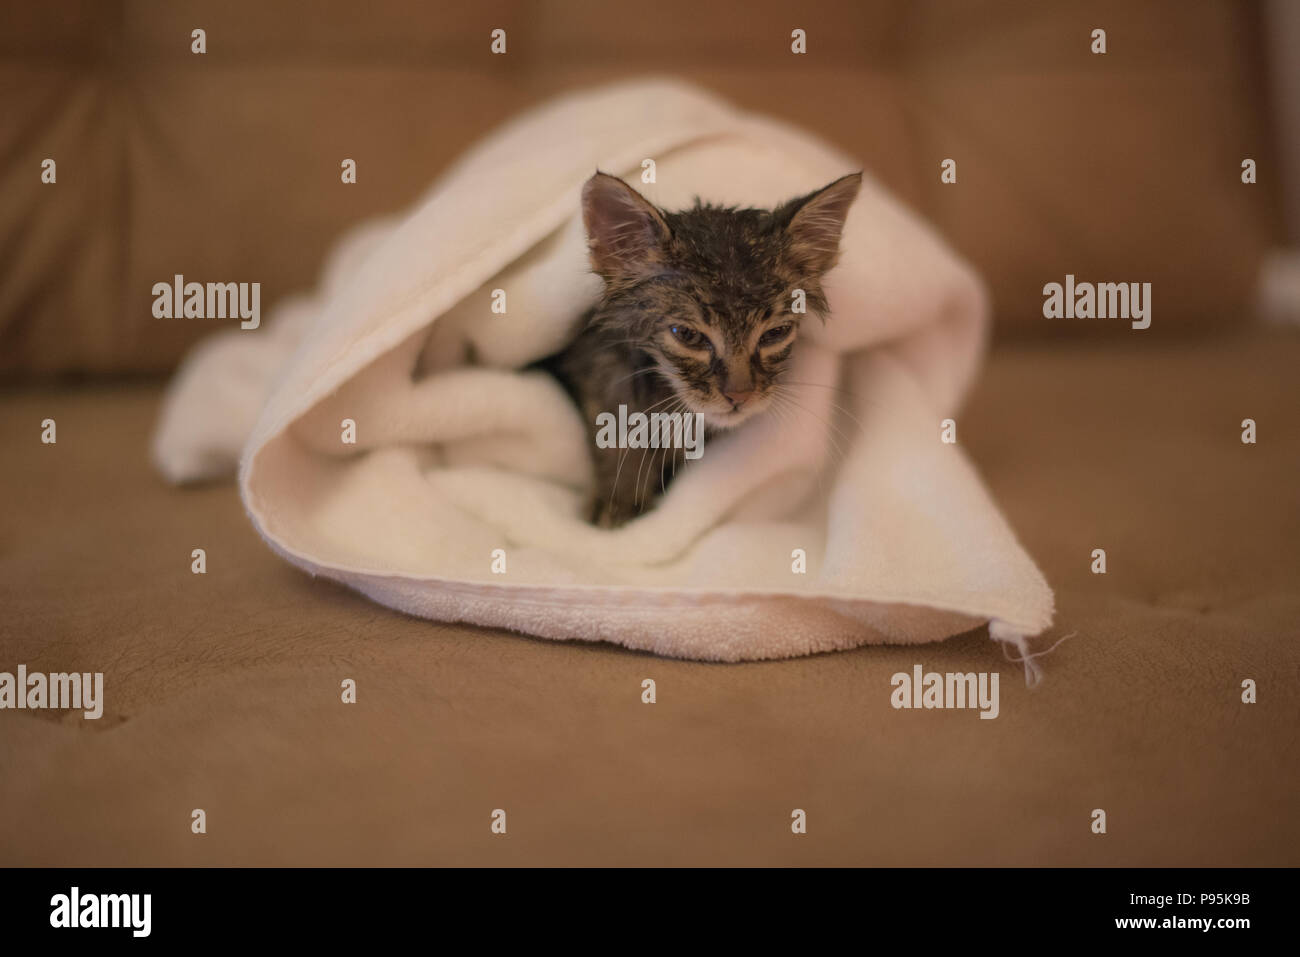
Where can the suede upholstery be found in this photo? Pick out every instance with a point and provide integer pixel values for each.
(225, 166)
(223, 690)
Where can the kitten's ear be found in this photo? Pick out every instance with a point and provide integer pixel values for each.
(625, 233)
(813, 224)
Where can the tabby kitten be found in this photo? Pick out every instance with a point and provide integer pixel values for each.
(696, 317)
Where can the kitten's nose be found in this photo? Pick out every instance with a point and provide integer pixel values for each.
(737, 399)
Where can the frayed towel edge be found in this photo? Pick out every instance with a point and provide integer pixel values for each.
(1001, 632)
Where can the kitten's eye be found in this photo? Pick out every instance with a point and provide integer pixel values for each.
(687, 336)
(775, 334)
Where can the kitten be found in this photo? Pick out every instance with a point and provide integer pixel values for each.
(696, 317)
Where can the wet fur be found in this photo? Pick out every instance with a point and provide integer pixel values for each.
(726, 273)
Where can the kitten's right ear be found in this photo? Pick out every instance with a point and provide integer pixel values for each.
(813, 224)
(625, 233)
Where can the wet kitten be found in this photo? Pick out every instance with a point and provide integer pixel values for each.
(695, 318)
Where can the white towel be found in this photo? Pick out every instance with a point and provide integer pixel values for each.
(462, 497)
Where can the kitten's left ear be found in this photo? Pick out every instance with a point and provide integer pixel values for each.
(625, 232)
(813, 224)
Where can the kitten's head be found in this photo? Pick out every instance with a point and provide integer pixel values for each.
(707, 294)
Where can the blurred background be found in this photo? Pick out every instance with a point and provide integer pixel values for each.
(225, 166)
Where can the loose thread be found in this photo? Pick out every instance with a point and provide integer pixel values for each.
(1033, 671)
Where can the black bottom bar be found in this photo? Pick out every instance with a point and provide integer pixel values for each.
(333, 906)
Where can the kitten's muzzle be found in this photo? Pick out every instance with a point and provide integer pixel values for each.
(738, 399)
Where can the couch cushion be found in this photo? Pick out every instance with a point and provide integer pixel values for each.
(223, 690)
(225, 166)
